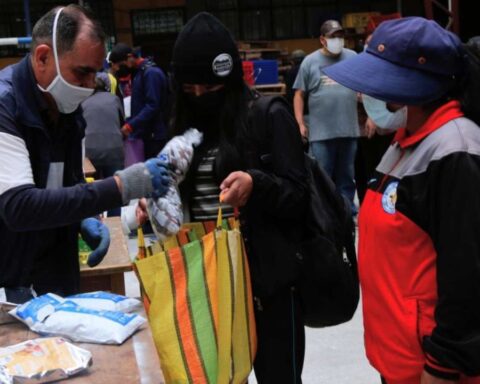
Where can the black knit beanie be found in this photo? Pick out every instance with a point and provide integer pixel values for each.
(205, 53)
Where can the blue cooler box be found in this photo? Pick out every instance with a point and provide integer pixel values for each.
(265, 71)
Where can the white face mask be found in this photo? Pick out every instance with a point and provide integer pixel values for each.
(381, 116)
(335, 45)
(67, 96)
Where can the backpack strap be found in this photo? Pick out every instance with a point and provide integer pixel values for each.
(260, 106)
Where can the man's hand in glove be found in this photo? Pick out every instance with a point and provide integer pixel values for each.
(149, 179)
(97, 237)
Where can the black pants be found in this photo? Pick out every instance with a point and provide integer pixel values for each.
(281, 339)
(18, 295)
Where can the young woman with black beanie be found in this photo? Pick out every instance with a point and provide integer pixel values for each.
(261, 171)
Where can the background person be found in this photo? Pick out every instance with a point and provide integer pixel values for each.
(419, 248)
(332, 119)
(103, 114)
(148, 118)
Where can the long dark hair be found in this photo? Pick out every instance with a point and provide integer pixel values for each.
(470, 95)
(231, 128)
(465, 87)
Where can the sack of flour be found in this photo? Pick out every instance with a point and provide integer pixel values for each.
(50, 314)
(105, 301)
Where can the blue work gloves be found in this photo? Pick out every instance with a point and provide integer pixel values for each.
(97, 237)
(148, 179)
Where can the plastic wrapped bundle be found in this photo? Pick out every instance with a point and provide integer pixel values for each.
(166, 213)
(42, 361)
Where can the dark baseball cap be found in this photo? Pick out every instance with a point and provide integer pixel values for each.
(408, 61)
(120, 52)
(329, 27)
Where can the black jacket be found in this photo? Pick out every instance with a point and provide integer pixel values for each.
(39, 213)
(272, 219)
(271, 222)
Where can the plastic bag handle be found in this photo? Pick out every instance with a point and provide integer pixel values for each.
(219, 217)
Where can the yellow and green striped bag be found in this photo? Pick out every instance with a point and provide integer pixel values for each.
(197, 292)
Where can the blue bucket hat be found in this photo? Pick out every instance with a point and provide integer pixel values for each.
(408, 61)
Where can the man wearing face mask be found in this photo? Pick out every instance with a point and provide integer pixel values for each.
(43, 196)
(332, 129)
(148, 117)
(117, 59)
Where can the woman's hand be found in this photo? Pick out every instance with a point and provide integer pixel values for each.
(141, 211)
(429, 379)
(236, 188)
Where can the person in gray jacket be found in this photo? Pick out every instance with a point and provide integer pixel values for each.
(103, 114)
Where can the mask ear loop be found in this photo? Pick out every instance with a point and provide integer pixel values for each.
(54, 41)
(55, 54)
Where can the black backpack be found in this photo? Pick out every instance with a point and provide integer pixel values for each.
(328, 284)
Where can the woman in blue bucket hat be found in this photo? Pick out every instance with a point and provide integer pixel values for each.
(419, 242)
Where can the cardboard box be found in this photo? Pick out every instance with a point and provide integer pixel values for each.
(358, 20)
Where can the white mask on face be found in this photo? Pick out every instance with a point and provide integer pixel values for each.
(381, 116)
(67, 96)
(335, 45)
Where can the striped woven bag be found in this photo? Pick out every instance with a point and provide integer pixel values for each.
(196, 289)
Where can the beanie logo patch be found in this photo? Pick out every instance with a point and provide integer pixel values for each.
(222, 65)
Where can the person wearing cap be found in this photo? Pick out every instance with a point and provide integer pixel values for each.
(419, 249)
(117, 61)
(44, 200)
(149, 92)
(258, 169)
(332, 128)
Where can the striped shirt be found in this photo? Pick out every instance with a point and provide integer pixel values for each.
(205, 199)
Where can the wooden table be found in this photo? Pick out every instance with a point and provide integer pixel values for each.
(88, 168)
(109, 274)
(135, 361)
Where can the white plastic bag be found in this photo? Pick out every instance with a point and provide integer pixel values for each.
(105, 301)
(50, 314)
(166, 213)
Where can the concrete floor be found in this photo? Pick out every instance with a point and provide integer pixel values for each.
(333, 355)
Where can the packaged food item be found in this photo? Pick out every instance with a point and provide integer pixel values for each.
(50, 314)
(42, 361)
(105, 301)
